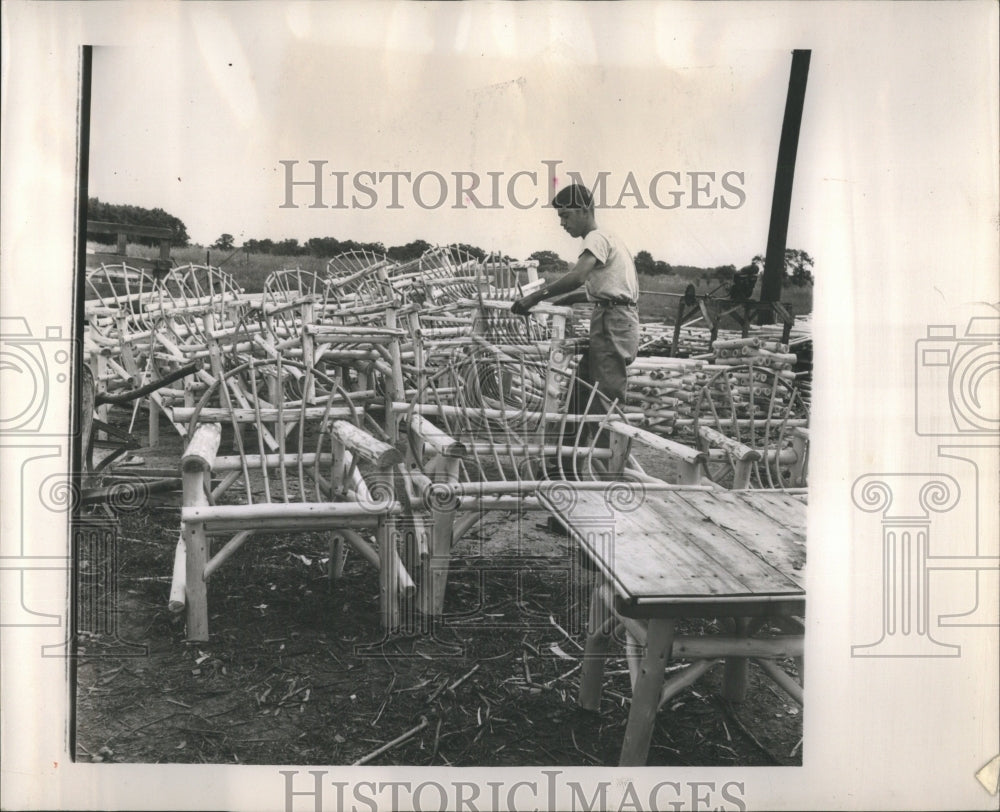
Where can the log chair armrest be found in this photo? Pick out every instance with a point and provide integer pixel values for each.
(558, 310)
(684, 453)
(435, 439)
(360, 443)
(201, 450)
(740, 451)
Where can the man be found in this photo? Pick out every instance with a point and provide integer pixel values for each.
(607, 273)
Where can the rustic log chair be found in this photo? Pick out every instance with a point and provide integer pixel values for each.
(752, 423)
(451, 275)
(326, 473)
(198, 313)
(296, 308)
(489, 429)
(359, 287)
(117, 330)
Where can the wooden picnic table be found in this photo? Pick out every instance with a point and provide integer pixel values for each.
(665, 555)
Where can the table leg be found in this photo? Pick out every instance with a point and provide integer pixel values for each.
(735, 678)
(600, 625)
(646, 695)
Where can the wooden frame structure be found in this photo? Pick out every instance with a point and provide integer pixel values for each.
(296, 465)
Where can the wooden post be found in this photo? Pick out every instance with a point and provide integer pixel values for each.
(620, 446)
(646, 695)
(178, 581)
(735, 677)
(781, 202)
(711, 319)
(388, 596)
(195, 466)
(785, 682)
(679, 318)
(338, 557)
(435, 570)
(196, 556)
(308, 349)
(596, 648)
(800, 444)
(154, 423)
(99, 365)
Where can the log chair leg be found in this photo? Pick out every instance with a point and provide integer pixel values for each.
(388, 596)
(441, 532)
(599, 628)
(795, 627)
(338, 557)
(646, 696)
(441, 529)
(633, 655)
(195, 588)
(735, 677)
(100, 366)
(154, 423)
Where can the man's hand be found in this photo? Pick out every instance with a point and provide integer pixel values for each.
(523, 305)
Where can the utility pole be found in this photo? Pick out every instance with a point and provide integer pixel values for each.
(781, 203)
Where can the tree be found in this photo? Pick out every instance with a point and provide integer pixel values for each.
(224, 243)
(723, 273)
(258, 246)
(549, 262)
(287, 248)
(472, 251)
(404, 253)
(644, 263)
(136, 216)
(798, 267)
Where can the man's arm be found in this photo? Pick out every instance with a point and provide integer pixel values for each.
(564, 284)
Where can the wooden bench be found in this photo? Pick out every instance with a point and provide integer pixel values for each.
(687, 553)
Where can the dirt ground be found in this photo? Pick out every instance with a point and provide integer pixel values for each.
(297, 673)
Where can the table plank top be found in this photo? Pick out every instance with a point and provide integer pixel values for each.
(692, 547)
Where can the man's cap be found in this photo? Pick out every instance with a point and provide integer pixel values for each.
(573, 197)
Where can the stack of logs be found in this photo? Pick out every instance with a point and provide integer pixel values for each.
(669, 390)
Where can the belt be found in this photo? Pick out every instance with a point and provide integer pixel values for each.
(614, 303)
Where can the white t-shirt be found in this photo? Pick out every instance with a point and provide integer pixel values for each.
(614, 275)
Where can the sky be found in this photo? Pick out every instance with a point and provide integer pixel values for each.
(682, 124)
(198, 122)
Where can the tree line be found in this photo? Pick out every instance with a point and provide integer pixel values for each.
(798, 263)
(135, 216)
(798, 267)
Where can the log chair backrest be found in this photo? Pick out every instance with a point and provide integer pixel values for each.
(511, 414)
(760, 408)
(279, 448)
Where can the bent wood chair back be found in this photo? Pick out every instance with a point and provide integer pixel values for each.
(359, 290)
(116, 339)
(268, 463)
(752, 423)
